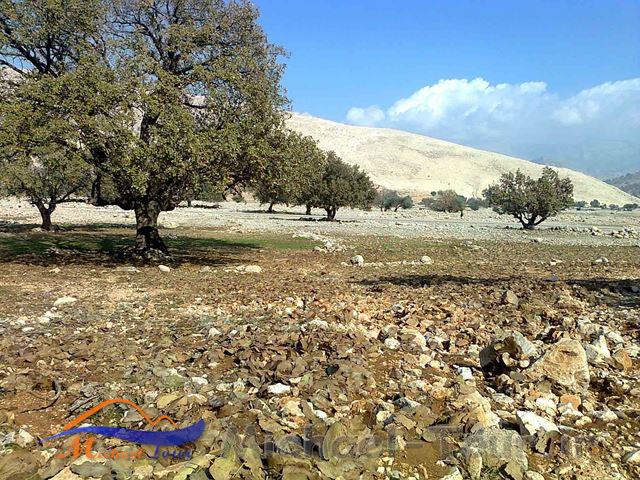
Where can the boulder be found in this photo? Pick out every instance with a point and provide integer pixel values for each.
(565, 365)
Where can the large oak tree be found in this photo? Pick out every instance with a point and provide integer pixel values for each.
(157, 96)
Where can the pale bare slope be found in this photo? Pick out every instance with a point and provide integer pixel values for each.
(417, 165)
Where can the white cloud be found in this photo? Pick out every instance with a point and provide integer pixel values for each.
(365, 116)
(595, 130)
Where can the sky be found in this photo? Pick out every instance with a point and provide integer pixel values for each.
(552, 81)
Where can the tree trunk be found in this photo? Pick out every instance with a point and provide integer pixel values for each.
(147, 235)
(308, 210)
(270, 209)
(331, 212)
(45, 214)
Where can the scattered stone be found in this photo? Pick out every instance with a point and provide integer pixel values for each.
(532, 424)
(253, 269)
(357, 260)
(213, 332)
(392, 343)
(510, 298)
(278, 389)
(426, 259)
(63, 301)
(164, 268)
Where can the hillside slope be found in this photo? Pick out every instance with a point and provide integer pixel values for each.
(417, 165)
(629, 183)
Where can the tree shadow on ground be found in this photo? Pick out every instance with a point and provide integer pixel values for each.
(614, 292)
(623, 293)
(420, 281)
(88, 248)
(275, 212)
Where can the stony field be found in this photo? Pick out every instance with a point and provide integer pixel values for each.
(409, 345)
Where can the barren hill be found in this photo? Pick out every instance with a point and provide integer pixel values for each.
(417, 165)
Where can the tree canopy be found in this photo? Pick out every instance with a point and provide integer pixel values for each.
(391, 200)
(158, 96)
(339, 185)
(529, 200)
(294, 163)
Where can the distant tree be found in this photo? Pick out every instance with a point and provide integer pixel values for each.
(32, 164)
(529, 200)
(630, 206)
(46, 178)
(390, 199)
(614, 206)
(475, 203)
(340, 185)
(580, 205)
(448, 201)
(406, 203)
(595, 203)
(292, 165)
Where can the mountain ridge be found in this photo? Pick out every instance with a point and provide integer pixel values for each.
(629, 183)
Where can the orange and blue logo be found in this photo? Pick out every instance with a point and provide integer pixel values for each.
(175, 437)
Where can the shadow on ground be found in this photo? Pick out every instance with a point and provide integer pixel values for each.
(623, 293)
(99, 246)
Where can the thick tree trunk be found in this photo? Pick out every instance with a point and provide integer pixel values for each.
(45, 214)
(147, 234)
(308, 212)
(331, 212)
(270, 209)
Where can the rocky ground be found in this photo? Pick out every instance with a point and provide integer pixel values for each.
(364, 349)
(585, 227)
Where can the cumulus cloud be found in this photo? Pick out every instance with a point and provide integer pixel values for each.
(365, 116)
(595, 130)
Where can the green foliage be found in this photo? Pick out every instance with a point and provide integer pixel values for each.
(630, 206)
(160, 97)
(531, 201)
(595, 203)
(447, 201)
(293, 165)
(339, 185)
(390, 199)
(580, 205)
(32, 164)
(41, 38)
(475, 203)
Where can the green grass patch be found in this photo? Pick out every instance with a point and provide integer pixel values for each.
(109, 243)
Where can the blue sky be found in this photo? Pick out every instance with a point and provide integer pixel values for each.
(369, 62)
